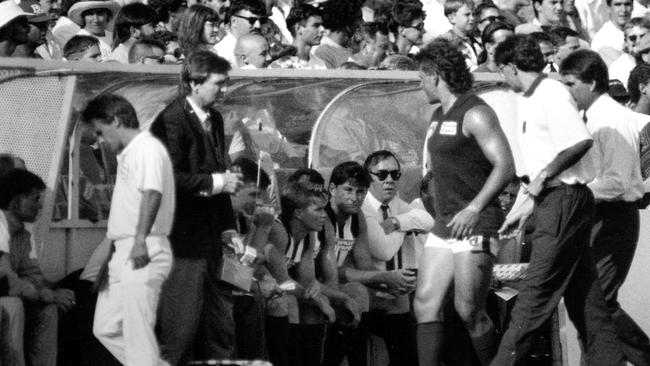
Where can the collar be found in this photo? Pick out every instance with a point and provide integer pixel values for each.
(374, 203)
(132, 143)
(534, 85)
(595, 107)
(328, 41)
(200, 113)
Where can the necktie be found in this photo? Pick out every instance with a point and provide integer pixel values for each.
(584, 117)
(396, 261)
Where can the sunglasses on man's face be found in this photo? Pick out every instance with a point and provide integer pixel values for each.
(634, 37)
(383, 174)
(491, 19)
(253, 20)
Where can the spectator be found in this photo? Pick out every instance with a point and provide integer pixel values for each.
(485, 14)
(461, 16)
(82, 48)
(572, 19)
(169, 13)
(199, 29)
(38, 27)
(340, 18)
(493, 34)
(305, 23)
(548, 12)
(147, 52)
(610, 39)
(374, 46)
(64, 28)
(510, 10)
(20, 198)
(133, 22)
(635, 30)
(252, 52)
(566, 41)
(14, 28)
(280, 10)
(409, 26)
(244, 17)
(547, 47)
(221, 7)
(93, 16)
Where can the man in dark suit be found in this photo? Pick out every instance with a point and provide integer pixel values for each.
(193, 133)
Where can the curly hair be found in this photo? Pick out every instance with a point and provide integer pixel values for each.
(523, 51)
(640, 75)
(404, 12)
(444, 58)
(190, 29)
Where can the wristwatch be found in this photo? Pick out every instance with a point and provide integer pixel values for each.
(395, 222)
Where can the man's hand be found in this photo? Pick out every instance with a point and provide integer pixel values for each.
(400, 279)
(537, 185)
(462, 225)
(139, 255)
(263, 216)
(353, 308)
(64, 299)
(324, 305)
(516, 219)
(389, 225)
(312, 290)
(46, 295)
(232, 182)
(231, 238)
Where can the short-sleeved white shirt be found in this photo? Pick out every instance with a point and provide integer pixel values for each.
(548, 123)
(144, 164)
(608, 36)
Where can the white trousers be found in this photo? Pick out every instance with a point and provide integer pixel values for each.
(125, 314)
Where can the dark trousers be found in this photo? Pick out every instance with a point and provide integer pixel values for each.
(561, 265)
(346, 341)
(398, 332)
(195, 310)
(614, 239)
(249, 325)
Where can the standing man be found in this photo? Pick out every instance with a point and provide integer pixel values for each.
(617, 188)
(388, 220)
(471, 164)
(610, 39)
(193, 295)
(140, 220)
(557, 170)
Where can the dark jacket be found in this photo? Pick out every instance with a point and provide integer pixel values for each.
(200, 218)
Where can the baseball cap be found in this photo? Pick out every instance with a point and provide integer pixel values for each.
(33, 8)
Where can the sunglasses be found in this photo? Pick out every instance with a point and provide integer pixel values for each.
(154, 59)
(491, 19)
(634, 37)
(419, 27)
(383, 174)
(253, 20)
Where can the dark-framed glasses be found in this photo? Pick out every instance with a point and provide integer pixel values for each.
(253, 20)
(492, 18)
(383, 174)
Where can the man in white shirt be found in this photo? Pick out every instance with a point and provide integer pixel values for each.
(617, 188)
(142, 210)
(557, 168)
(244, 17)
(305, 23)
(389, 219)
(609, 40)
(634, 30)
(252, 52)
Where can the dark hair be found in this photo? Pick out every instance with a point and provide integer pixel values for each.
(426, 180)
(558, 35)
(481, 7)
(642, 22)
(248, 170)
(379, 156)
(521, 50)
(299, 14)
(588, 67)
(256, 7)
(405, 12)
(542, 37)
(640, 75)
(534, 8)
(107, 107)
(78, 44)
(350, 171)
(342, 15)
(190, 27)
(197, 68)
(313, 176)
(445, 59)
(18, 182)
(144, 48)
(7, 163)
(452, 6)
(108, 12)
(131, 15)
(165, 8)
(488, 32)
